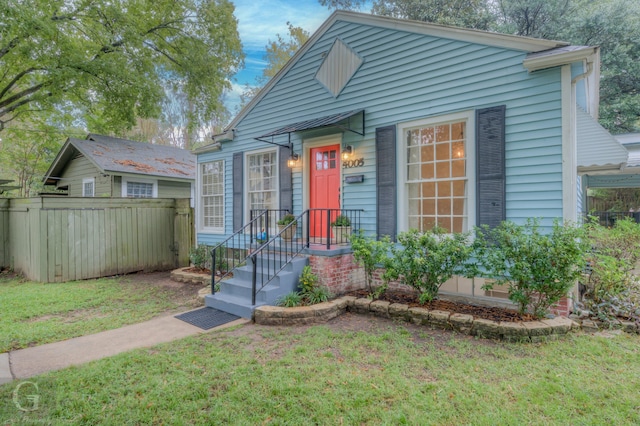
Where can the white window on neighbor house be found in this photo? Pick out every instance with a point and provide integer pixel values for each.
(212, 196)
(139, 188)
(262, 180)
(88, 187)
(438, 173)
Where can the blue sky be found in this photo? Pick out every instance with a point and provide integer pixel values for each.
(259, 22)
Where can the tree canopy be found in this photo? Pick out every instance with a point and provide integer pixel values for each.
(103, 64)
(614, 25)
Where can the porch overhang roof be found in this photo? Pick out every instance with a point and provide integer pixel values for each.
(347, 121)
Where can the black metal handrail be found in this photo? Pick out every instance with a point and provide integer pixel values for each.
(313, 226)
(609, 218)
(270, 251)
(236, 243)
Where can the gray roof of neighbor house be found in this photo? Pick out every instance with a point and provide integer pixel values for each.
(122, 156)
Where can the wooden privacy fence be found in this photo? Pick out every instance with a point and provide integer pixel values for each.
(64, 239)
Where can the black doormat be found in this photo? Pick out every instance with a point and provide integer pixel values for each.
(207, 318)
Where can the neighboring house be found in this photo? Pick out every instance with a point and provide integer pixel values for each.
(6, 188)
(438, 125)
(103, 166)
(625, 174)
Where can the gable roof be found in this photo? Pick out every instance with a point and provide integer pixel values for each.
(524, 44)
(122, 156)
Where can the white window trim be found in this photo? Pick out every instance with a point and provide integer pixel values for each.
(245, 179)
(200, 206)
(126, 180)
(93, 187)
(401, 163)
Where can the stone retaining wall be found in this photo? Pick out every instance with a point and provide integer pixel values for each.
(180, 275)
(319, 313)
(532, 331)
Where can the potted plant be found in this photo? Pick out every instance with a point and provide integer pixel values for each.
(284, 222)
(341, 228)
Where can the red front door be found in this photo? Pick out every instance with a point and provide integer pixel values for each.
(324, 191)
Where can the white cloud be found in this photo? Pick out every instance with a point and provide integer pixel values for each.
(259, 22)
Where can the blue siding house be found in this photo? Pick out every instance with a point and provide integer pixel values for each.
(405, 124)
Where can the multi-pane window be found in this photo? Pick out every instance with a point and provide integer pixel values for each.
(139, 189)
(212, 195)
(326, 160)
(88, 187)
(262, 180)
(436, 176)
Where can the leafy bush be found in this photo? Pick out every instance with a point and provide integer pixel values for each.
(427, 260)
(308, 280)
(200, 256)
(538, 268)
(341, 220)
(290, 300)
(612, 290)
(310, 294)
(287, 219)
(369, 253)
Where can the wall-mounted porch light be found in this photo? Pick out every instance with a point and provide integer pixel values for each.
(293, 160)
(347, 150)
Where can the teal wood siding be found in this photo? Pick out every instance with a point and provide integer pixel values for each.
(407, 76)
(80, 168)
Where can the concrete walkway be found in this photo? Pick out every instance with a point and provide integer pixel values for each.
(29, 362)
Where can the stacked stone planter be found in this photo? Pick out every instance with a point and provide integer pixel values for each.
(180, 275)
(532, 331)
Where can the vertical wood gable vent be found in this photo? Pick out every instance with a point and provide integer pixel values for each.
(338, 67)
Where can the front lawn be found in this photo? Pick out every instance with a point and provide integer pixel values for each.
(353, 370)
(35, 313)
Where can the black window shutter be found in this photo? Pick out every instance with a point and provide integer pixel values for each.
(490, 166)
(386, 181)
(238, 214)
(286, 185)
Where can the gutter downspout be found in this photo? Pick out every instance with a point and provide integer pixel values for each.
(574, 124)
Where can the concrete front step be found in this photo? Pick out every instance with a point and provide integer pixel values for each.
(235, 293)
(231, 304)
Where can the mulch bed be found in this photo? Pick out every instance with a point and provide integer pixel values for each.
(489, 313)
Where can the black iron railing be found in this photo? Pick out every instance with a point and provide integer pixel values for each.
(234, 251)
(610, 218)
(312, 227)
(270, 248)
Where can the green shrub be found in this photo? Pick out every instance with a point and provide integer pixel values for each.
(290, 300)
(612, 289)
(341, 220)
(287, 219)
(370, 253)
(539, 268)
(310, 293)
(200, 256)
(318, 294)
(427, 260)
(308, 280)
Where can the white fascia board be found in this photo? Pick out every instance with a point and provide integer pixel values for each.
(550, 61)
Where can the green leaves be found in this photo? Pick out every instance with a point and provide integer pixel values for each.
(427, 260)
(110, 59)
(539, 268)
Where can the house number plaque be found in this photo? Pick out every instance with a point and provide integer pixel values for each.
(349, 164)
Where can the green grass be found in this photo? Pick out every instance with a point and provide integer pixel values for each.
(329, 375)
(36, 313)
